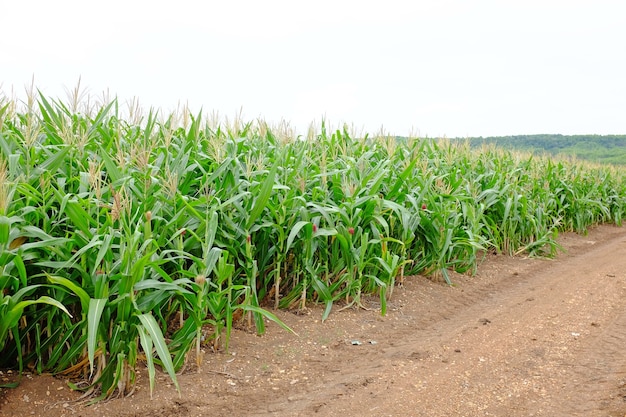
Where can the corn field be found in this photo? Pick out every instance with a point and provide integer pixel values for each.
(130, 236)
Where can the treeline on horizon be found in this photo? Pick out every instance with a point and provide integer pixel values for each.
(605, 149)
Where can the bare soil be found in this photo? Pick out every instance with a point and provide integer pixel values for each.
(523, 337)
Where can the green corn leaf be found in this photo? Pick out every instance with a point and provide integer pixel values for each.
(211, 259)
(5, 230)
(402, 179)
(324, 294)
(112, 168)
(73, 287)
(183, 341)
(175, 286)
(100, 117)
(21, 268)
(263, 196)
(68, 337)
(96, 307)
(325, 232)
(77, 214)
(266, 314)
(94, 242)
(56, 241)
(153, 329)
(146, 345)
(12, 316)
(211, 229)
(22, 292)
(294, 232)
(54, 162)
(105, 248)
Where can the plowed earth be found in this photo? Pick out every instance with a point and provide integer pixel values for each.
(523, 337)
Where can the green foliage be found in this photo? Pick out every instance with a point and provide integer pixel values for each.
(604, 149)
(146, 239)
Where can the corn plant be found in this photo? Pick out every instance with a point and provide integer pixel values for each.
(129, 237)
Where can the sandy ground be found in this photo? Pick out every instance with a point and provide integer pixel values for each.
(523, 337)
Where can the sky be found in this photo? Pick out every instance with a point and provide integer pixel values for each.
(453, 68)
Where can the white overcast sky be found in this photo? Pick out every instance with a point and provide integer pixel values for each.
(434, 68)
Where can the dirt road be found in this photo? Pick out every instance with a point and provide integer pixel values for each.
(524, 337)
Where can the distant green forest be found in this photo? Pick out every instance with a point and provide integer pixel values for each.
(605, 149)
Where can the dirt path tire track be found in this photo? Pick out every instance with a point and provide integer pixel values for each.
(549, 341)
